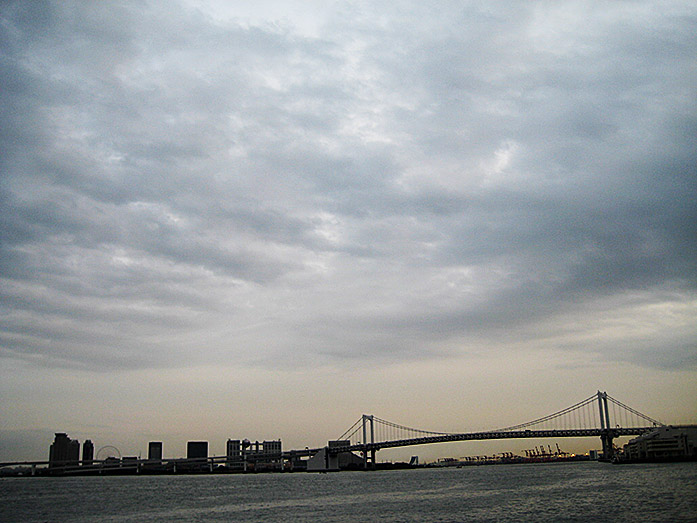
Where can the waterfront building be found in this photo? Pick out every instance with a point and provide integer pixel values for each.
(272, 448)
(196, 449)
(272, 455)
(664, 443)
(155, 451)
(234, 454)
(74, 452)
(87, 452)
(325, 459)
(63, 451)
(347, 460)
(267, 455)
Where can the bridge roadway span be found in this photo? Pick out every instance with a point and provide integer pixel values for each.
(513, 434)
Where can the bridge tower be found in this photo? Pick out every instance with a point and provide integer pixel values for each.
(368, 448)
(607, 432)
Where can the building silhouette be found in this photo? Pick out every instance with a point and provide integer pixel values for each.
(234, 454)
(196, 449)
(243, 454)
(87, 452)
(272, 455)
(666, 443)
(324, 460)
(155, 451)
(63, 451)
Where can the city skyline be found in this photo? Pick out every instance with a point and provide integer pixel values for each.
(221, 219)
(582, 415)
(600, 415)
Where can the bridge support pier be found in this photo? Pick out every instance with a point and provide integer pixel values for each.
(608, 449)
(368, 458)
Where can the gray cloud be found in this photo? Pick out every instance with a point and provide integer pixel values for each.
(407, 181)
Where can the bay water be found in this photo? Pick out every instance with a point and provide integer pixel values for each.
(585, 491)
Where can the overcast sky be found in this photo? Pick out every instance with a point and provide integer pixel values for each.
(224, 221)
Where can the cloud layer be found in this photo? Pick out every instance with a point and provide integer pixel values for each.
(186, 183)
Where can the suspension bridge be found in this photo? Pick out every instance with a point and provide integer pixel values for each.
(599, 415)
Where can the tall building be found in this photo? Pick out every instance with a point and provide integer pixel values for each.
(155, 450)
(87, 452)
(63, 451)
(266, 455)
(273, 455)
(233, 451)
(196, 449)
(272, 448)
(74, 452)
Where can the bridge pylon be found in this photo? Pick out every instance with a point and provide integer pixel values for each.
(368, 448)
(607, 434)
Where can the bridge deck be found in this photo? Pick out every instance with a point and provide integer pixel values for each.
(469, 436)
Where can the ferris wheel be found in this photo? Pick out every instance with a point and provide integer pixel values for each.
(108, 451)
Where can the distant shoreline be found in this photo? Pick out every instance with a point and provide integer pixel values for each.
(25, 471)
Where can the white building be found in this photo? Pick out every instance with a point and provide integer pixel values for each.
(664, 443)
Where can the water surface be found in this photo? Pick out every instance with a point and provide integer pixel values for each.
(587, 491)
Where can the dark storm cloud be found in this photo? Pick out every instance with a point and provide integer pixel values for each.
(408, 181)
